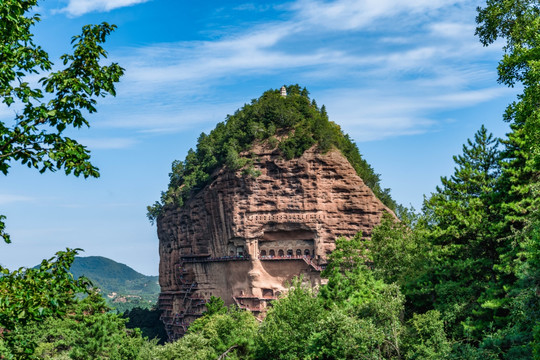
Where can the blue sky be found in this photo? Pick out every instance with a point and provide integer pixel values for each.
(407, 80)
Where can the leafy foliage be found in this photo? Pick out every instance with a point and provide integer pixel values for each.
(36, 137)
(148, 321)
(462, 223)
(231, 332)
(461, 264)
(426, 337)
(349, 278)
(296, 121)
(41, 316)
(354, 316)
(519, 339)
(88, 331)
(29, 296)
(289, 323)
(215, 305)
(376, 306)
(338, 335)
(517, 22)
(399, 249)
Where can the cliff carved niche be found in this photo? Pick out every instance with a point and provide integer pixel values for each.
(292, 242)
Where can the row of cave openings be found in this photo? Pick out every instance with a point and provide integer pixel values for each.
(281, 253)
(277, 243)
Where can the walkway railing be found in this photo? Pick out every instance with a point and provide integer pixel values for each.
(282, 257)
(308, 260)
(270, 297)
(246, 307)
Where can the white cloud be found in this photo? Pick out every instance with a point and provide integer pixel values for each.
(467, 98)
(11, 198)
(253, 7)
(164, 118)
(426, 40)
(81, 7)
(259, 50)
(108, 143)
(452, 30)
(372, 115)
(353, 14)
(439, 64)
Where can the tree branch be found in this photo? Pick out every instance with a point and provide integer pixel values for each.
(224, 355)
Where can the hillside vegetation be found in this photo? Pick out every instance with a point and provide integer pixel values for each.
(293, 124)
(122, 287)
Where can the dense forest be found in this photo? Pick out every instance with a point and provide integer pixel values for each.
(291, 123)
(460, 279)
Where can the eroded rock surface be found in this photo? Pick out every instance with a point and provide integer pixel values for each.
(243, 238)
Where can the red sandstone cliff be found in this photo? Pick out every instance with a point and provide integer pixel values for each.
(242, 238)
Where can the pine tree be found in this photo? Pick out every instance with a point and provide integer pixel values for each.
(460, 222)
(517, 22)
(468, 190)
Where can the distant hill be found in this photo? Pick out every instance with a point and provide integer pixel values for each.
(123, 287)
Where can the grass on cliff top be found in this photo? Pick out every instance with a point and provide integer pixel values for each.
(296, 116)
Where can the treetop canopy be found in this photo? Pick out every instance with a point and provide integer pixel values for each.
(291, 123)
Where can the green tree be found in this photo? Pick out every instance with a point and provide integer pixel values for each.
(35, 137)
(349, 278)
(520, 338)
(87, 331)
(32, 294)
(340, 335)
(462, 223)
(518, 23)
(460, 211)
(148, 321)
(400, 249)
(229, 333)
(386, 312)
(29, 296)
(377, 307)
(215, 305)
(192, 346)
(289, 324)
(425, 338)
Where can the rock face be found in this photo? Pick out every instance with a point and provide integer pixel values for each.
(242, 238)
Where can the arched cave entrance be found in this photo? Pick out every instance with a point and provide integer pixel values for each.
(287, 240)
